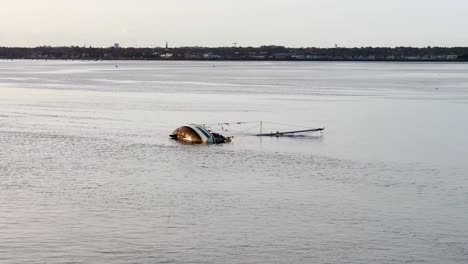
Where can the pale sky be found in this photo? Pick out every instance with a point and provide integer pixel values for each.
(294, 23)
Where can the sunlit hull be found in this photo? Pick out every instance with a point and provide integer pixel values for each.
(194, 134)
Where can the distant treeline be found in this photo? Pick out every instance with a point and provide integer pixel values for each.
(238, 53)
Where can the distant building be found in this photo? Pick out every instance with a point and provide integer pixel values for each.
(316, 57)
(440, 57)
(116, 46)
(298, 57)
(167, 56)
(211, 56)
(192, 56)
(412, 57)
(283, 55)
(257, 56)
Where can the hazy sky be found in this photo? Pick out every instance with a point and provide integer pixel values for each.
(294, 23)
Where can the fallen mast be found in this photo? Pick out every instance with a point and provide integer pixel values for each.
(289, 133)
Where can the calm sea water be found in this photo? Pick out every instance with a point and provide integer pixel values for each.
(88, 174)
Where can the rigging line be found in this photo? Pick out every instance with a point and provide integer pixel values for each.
(246, 130)
(233, 130)
(231, 123)
(282, 124)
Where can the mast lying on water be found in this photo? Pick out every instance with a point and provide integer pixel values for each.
(289, 133)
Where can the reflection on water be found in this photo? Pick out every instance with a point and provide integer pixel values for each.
(89, 175)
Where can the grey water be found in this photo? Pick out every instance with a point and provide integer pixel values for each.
(89, 175)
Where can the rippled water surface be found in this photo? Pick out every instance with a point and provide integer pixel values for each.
(88, 174)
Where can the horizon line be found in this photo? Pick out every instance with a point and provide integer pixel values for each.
(215, 47)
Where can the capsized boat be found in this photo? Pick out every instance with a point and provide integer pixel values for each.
(197, 134)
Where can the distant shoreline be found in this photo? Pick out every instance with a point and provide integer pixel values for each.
(263, 53)
(238, 60)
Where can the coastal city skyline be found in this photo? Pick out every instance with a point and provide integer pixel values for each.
(209, 23)
(236, 53)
